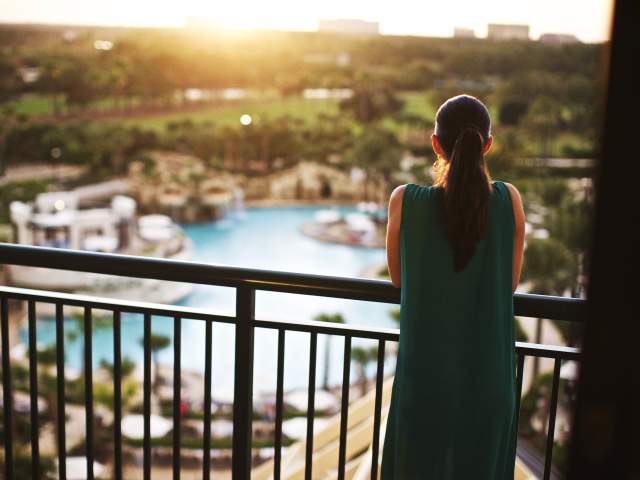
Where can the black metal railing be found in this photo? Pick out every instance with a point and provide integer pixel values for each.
(245, 282)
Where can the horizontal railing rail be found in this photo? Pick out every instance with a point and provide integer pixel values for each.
(526, 305)
(246, 282)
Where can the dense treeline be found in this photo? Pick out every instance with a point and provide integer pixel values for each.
(151, 65)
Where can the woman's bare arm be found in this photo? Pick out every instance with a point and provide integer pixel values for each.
(393, 235)
(518, 239)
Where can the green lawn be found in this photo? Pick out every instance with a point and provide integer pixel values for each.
(229, 113)
(418, 103)
(34, 104)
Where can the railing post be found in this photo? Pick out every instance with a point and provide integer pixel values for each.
(243, 383)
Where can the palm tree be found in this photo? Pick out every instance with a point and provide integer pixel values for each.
(158, 342)
(331, 318)
(362, 356)
(377, 151)
(97, 323)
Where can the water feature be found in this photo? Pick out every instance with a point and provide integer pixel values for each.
(267, 238)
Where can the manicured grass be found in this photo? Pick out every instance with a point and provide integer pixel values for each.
(230, 112)
(418, 103)
(34, 104)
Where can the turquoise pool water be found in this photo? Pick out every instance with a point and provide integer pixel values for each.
(266, 238)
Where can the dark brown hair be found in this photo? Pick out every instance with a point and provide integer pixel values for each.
(463, 127)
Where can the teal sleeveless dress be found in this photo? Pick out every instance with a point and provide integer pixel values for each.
(452, 412)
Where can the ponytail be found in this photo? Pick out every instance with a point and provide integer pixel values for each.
(467, 190)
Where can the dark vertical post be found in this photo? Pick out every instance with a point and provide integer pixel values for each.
(344, 409)
(88, 390)
(377, 410)
(243, 383)
(62, 448)
(277, 454)
(604, 437)
(206, 432)
(177, 395)
(33, 390)
(519, 374)
(553, 406)
(147, 398)
(6, 390)
(311, 397)
(117, 398)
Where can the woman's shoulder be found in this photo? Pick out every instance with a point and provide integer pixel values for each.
(420, 191)
(507, 190)
(410, 193)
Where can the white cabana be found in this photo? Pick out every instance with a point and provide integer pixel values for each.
(56, 201)
(155, 221)
(220, 428)
(156, 228)
(100, 243)
(60, 219)
(368, 207)
(359, 222)
(123, 206)
(296, 427)
(133, 426)
(327, 216)
(156, 234)
(299, 399)
(77, 468)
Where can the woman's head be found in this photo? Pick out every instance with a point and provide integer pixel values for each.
(456, 115)
(461, 139)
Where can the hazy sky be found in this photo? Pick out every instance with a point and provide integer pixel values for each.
(588, 19)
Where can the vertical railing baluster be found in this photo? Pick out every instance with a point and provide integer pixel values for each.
(377, 411)
(206, 436)
(7, 404)
(177, 395)
(553, 405)
(311, 395)
(117, 397)
(243, 383)
(33, 390)
(62, 448)
(277, 453)
(147, 398)
(519, 373)
(88, 390)
(344, 410)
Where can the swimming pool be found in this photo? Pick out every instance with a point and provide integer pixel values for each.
(266, 238)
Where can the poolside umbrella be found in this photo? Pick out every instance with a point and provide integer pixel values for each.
(133, 426)
(324, 400)
(221, 428)
(296, 427)
(77, 468)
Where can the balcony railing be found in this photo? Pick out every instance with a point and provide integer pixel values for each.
(246, 283)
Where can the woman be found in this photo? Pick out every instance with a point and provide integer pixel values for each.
(456, 250)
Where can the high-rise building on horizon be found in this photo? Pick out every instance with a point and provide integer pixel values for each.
(558, 38)
(498, 31)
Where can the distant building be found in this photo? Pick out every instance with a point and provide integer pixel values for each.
(498, 31)
(558, 38)
(463, 33)
(354, 27)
